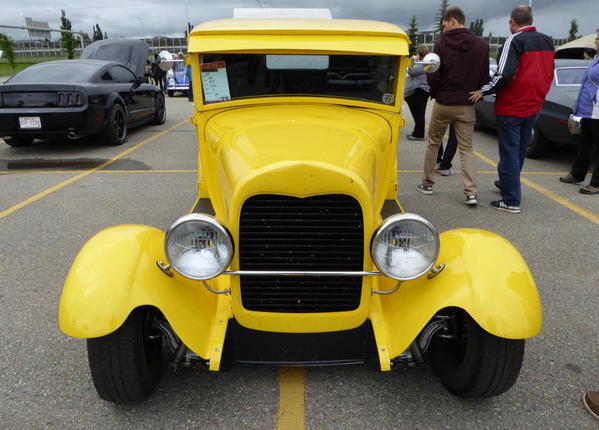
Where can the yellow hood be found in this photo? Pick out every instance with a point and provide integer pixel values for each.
(297, 150)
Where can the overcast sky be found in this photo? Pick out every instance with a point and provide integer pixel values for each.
(147, 18)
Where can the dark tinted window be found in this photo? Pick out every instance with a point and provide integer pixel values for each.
(120, 74)
(370, 78)
(71, 71)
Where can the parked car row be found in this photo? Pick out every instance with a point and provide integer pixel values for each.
(90, 96)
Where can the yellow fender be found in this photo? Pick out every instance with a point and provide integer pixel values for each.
(484, 274)
(115, 272)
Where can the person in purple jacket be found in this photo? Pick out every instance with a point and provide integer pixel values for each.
(587, 107)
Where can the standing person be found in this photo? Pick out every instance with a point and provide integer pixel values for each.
(589, 53)
(522, 80)
(464, 67)
(157, 72)
(416, 94)
(444, 157)
(188, 74)
(587, 107)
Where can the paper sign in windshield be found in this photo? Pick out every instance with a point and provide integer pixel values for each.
(215, 82)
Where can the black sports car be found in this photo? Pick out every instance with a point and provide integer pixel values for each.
(552, 125)
(89, 96)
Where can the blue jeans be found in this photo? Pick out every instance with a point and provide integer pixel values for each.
(514, 137)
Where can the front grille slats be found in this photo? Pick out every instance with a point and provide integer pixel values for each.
(323, 233)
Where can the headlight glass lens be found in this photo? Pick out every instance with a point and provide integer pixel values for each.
(405, 247)
(198, 247)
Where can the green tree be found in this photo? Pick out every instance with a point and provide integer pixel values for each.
(413, 35)
(97, 33)
(573, 30)
(477, 27)
(67, 38)
(6, 46)
(442, 8)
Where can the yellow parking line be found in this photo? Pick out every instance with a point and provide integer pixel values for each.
(101, 171)
(291, 398)
(63, 184)
(575, 208)
(561, 200)
(493, 172)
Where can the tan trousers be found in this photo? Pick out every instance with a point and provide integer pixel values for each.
(462, 118)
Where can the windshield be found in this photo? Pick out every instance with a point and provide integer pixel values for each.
(68, 72)
(371, 78)
(569, 76)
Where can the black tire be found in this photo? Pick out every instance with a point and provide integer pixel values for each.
(539, 145)
(17, 141)
(115, 132)
(159, 110)
(170, 93)
(126, 365)
(475, 364)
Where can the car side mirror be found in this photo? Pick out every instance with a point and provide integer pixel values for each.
(431, 62)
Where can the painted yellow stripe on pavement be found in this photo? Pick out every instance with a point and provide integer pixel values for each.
(63, 184)
(291, 398)
(561, 200)
(575, 208)
(101, 171)
(492, 172)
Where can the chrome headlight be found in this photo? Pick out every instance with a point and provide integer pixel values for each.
(405, 247)
(198, 247)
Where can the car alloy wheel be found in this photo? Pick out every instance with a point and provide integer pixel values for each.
(115, 132)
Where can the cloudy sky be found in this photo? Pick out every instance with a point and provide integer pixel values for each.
(146, 18)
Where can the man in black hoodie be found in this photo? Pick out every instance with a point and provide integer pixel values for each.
(464, 68)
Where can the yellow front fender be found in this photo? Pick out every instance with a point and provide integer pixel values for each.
(484, 275)
(115, 272)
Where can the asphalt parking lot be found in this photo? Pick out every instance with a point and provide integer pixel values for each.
(56, 195)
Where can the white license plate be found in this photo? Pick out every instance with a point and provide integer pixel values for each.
(30, 122)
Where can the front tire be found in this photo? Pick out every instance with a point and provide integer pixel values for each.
(159, 110)
(17, 141)
(473, 363)
(126, 365)
(115, 132)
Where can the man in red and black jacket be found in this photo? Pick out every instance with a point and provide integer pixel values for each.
(523, 77)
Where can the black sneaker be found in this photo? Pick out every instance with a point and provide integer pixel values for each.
(471, 200)
(412, 137)
(497, 184)
(425, 189)
(502, 206)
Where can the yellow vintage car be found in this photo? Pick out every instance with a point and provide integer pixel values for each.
(297, 251)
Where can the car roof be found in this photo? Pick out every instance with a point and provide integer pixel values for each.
(281, 36)
(298, 26)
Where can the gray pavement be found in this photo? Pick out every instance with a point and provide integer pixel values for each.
(45, 382)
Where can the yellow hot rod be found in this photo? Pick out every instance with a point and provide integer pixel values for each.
(297, 251)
